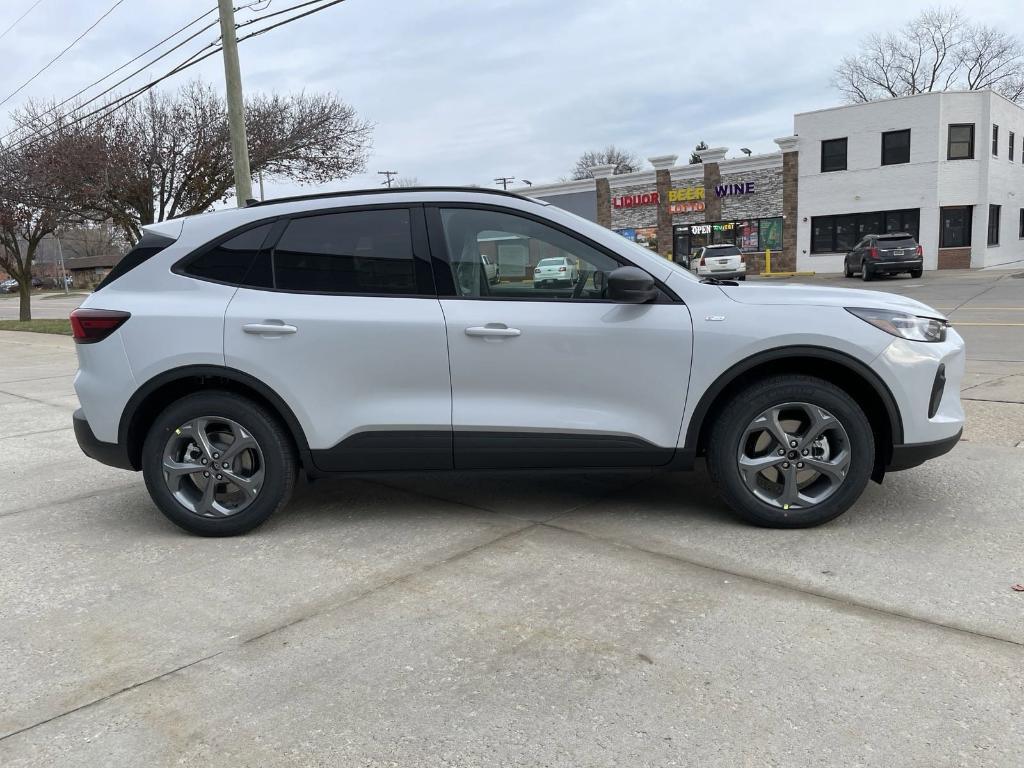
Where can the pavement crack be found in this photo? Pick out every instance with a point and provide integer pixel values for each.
(780, 584)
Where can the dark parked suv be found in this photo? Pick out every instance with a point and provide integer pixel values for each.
(886, 254)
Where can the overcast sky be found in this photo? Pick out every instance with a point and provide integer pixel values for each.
(462, 91)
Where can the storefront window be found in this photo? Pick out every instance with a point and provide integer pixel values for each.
(770, 234)
(869, 224)
(846, 232)
(955, 227)
(746, 235)
(836, 234)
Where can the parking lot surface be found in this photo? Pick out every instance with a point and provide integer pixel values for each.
(520, 619)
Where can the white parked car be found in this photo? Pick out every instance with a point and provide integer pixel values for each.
(722, 261)
(358, 332)
(560, 271)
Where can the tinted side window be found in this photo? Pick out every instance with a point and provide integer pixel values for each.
(230, 261)
(353, 252)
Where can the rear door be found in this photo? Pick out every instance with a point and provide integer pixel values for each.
(553, 376)
(339, 316)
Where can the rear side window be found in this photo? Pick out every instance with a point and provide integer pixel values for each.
(149, 246)
(232, 260)
(368, 252)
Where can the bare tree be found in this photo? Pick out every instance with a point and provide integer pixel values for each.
(936, 51)
(39, 182)
(623, 160)
(90, 239)
(168, 154)
(694, 157)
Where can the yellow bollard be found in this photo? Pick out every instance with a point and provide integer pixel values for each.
(767, 261)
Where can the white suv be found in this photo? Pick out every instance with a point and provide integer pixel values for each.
(721, 261)
(359, 332)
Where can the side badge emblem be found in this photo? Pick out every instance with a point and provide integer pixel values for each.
(715, 318)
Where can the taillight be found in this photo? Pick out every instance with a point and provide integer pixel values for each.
(872, 253)
(920, 251)
(702, 263)
(91, 325)
(561, 269)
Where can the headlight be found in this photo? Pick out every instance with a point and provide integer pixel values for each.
(903, 325)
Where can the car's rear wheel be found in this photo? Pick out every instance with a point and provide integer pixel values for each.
(791, 452)
(218, 464)
(916, 273)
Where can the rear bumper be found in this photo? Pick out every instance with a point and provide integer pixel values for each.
(111, 454)
(722, 274)
(896, 266)
(915, 454)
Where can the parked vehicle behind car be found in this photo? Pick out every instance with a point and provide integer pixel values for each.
(889, 254)
(357, 332)
(559, 271)
(11, 285)
(721, 261)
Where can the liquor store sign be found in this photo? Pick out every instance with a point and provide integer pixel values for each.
(683, 199)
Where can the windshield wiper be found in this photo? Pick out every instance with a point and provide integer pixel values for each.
(716, 281)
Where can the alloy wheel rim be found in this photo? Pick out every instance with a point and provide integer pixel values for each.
(794, 456)
(213, 466)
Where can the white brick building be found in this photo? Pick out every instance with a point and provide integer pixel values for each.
(959, 188)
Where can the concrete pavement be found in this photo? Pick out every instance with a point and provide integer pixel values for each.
(526, 619)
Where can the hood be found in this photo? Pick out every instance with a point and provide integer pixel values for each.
(813, 295)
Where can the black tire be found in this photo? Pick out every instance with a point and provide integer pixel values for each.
(847, 272)
(278, 455)
(730, 425)
(865, 272)
(916, 273)
(742, 277)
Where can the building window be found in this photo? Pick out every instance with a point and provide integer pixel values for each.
(1011, 146)
(838, 234)
(993, 224)
(955, 227)
(896, 147)
(1021, 231)
(961, 141)
(833, 155)
(995, 140)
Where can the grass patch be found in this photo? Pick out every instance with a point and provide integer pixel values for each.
(61, 295)
(62, 327)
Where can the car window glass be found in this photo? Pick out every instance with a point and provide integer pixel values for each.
(531, 260)
(355, 252)
(229, 261)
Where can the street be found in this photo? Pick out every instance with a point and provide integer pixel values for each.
(462, 619)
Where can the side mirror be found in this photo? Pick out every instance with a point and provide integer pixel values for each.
(631, 285)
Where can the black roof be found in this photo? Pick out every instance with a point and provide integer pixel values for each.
(376, 191)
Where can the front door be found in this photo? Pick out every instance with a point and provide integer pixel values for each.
(555, 376)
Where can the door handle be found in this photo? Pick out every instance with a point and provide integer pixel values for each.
(269, 328)
(492, 329)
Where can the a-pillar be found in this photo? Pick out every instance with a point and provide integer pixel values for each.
(662, 165)
(602, 174)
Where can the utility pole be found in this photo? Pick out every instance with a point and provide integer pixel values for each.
(63, 272)
(389, 174)
(504, 181)
(236, 106)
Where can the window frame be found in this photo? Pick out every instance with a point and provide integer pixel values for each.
(846, 154)
(417, 233)
(441, 259)
(894, 133)
(995, 214)
(949, 141)
(969, 225)
(903, 212)
(995, 140)
(1010, 147)
(1020, 232)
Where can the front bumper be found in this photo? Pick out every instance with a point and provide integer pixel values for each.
(111, 454)
(915, 454)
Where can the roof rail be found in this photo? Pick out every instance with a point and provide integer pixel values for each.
(356, 192)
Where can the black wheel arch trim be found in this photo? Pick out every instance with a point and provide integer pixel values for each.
(155, 383)
(730, 375)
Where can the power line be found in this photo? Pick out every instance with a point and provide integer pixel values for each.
(52, 61)
(17, 20)
(174, 34)
(191, 61)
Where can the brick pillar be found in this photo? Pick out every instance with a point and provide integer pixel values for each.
(790, 207)
(712, 178)
(602, 174)
(662, 165)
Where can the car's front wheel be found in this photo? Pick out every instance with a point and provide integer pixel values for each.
(218, 464)
(791, 452)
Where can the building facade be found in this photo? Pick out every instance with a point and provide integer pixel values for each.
(946, 167)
